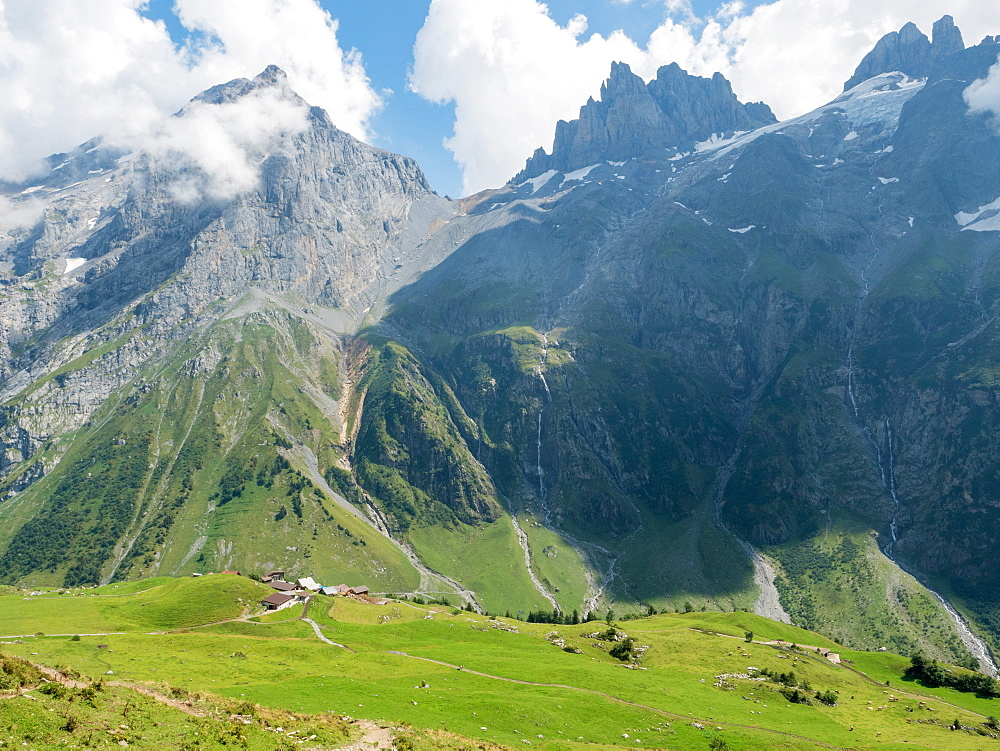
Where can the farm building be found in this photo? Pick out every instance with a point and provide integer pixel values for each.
(279, 601)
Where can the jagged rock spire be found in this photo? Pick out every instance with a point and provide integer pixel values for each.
(633, 118)
(909, 51)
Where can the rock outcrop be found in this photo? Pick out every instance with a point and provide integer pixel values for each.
(909, 51)
(633, 119)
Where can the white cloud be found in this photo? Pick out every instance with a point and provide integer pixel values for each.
(512, 71)
(72, 70)
(984, 95)
(223, 143)
(20, 214)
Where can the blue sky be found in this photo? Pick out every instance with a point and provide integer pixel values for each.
(384, 32)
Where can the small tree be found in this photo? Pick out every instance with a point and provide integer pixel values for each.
(748, 636)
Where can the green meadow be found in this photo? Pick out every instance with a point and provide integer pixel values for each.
(498, 681)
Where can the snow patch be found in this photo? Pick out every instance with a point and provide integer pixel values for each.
(91, 223)
(33, 189)
(678, 156)
(578, 174)
(73, 263)
(616, 164)
(886, 150)
(887, 180)
(725, 177)
(837, 161)
(984, 219)
(537, 183)
(911, 221)
(851, 136)
(743, 230)
(717, 140)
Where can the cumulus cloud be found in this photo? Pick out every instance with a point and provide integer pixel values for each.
(70, 71)
(984, 95)
(512, 71)
(216, 148)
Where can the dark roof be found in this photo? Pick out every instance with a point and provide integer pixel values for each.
(362, 590)
(278, 598)
(235, 573)
(278, 573)
(282, 586)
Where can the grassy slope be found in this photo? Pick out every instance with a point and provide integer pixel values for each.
(242, 397)
(487, 559)
(841, 582)
(106, 715)
(283, 665)
(155, 604)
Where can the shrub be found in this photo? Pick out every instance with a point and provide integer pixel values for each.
(827, 697)
(624, 650)
(794, 696)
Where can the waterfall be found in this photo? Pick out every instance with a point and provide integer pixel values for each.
(973, 643)
(542, 495)
(892, 489)
(850, 376)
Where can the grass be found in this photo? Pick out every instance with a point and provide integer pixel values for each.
(841, 581)
(488, 559)
(116, 715)
(596, 704)
(157, 604)
(557, 564)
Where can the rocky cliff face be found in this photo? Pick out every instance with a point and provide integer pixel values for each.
(632, 119)
(909, 51)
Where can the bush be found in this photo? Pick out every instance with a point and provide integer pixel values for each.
(624, 650)
(52, 689)
(794, 696)
(827, 697)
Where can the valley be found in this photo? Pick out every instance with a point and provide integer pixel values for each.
(693, 360)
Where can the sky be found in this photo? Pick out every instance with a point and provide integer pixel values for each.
(469, 88)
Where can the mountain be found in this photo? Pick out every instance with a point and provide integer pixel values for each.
(909, 51)
(632, 119)
(693, 357)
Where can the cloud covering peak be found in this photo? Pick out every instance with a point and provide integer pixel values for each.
(70, 71)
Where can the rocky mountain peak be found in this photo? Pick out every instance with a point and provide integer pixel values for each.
(272, 77)
(633, 118)
(909, 51)
(947, 38)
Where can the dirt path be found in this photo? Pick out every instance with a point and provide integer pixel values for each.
(688, 718)
(374, 736)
